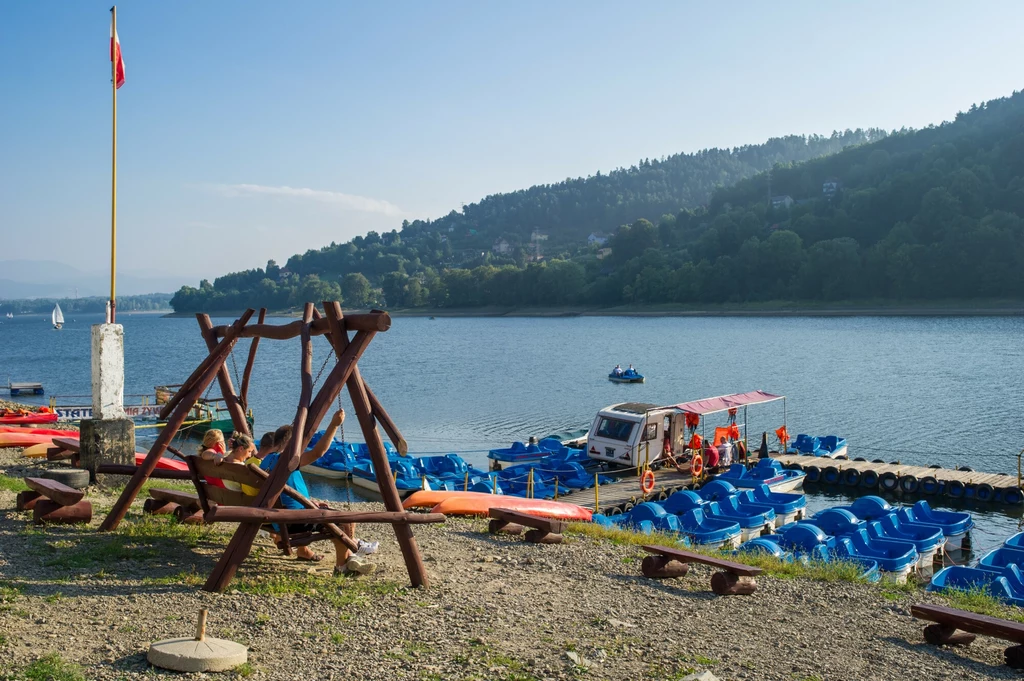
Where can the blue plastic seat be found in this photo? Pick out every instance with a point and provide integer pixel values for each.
(892, 556)
(925, 538)
(782, 502)
(972, 579)
(951, 523)
(704, 530)
(999, 559)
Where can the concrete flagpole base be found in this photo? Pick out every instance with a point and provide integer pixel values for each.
(108, 437)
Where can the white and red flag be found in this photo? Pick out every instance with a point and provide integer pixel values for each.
(115, 56)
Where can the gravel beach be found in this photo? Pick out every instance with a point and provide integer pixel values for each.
(497, 608)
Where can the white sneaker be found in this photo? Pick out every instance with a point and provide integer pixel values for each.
(360, 566)
(367, 548)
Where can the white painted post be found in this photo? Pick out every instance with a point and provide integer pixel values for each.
(107, 372)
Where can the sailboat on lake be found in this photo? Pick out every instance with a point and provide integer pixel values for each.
(57, 316)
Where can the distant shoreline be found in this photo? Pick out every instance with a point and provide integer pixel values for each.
(948, 309)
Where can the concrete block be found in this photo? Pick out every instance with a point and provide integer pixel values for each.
(190, 655)
(107, 441)
(108, 371)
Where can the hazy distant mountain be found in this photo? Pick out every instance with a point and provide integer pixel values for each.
(48, 278)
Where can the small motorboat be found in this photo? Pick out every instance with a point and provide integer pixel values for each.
(829, 446)
(629, 375)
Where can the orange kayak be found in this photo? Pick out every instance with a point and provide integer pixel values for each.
(480, 505)
(24, 439)
(53, 432)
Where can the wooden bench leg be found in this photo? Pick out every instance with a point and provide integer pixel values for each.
(26, 500)
(157, 507)
(946, 635)
(661, 567)
(504, 527)
(1014, 657)
(188, 516)
(542, 537)
(729, 584)
(48, 511)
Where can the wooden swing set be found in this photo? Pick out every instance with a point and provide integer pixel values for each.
(335, 326)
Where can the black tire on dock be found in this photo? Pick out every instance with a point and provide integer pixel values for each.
(830, 475)
(615, 510)
(627, 507)
(813, 473)
(929, 485)
(78, 478)
(935, 465)
(851, 477)
(663, 495)
(860, 458)
(1012, 496)
(888, 481)
(967, 469)
(869, 479)
(894, 463)
(877, 461)
(909, 484)
(984, 492)
(955, 489)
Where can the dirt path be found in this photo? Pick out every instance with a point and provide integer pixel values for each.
(498, 608)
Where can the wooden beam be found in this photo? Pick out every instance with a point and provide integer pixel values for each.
(386, 484)
(247, 373)
(316, 516)
(368, 321)
(229, 336)
(185, 403)
(379, 412)
(227, 389)
(241, 543)
(58, 491)
(158, 473)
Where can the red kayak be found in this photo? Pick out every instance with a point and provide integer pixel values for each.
(164, 462)
(53, 432)
(28, 418)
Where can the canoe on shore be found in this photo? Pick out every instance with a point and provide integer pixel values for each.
(28, 418)
(461, 503)
(28, 430)
(25, 439)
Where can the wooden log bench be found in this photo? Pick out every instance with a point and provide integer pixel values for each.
(732, 579)
(69, 449)
(545, 530)
(959, 627)
(54, 502)
(184, 506)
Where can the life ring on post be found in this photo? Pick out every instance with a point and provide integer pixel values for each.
(647, 481)
(696, 465)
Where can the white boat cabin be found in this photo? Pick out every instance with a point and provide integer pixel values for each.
(634, 432)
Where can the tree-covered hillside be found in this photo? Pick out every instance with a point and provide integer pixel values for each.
(499, 230)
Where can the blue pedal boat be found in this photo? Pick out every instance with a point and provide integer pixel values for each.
(767, 472)
(896, 558)
(999, 559)
(518, 453)
(807, 543)
(709, 532)
(954, 524)
(830, 446)
(752, 523)
(788, 507)
(1006, 586)
(627, 376)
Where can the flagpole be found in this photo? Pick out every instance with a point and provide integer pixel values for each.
(113, 171)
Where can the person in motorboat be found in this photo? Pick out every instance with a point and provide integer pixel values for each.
(617, 371)
(344, 560)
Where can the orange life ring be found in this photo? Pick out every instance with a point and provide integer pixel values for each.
(647, 481)
(696, 465)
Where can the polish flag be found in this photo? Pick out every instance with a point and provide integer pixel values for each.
(115, 56)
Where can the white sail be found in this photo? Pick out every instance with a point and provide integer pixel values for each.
(57, 316)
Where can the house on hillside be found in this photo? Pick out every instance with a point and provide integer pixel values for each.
(829, 188)
(782, 201)
(599, 238)
(501, 247)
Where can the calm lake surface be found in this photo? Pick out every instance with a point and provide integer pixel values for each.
(922, 390)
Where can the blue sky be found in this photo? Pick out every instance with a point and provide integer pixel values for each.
(254, 130)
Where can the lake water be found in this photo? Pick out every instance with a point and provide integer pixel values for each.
(921, 390)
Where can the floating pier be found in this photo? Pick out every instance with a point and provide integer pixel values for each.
(620, 496)
(25, 389)
(924, 481)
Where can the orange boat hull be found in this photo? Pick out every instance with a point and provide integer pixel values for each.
(480, 505)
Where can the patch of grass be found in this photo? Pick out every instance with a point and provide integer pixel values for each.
(54, 597)
(245, 670)
(835, 571)
(262, 618)
(662, 673)
(3, 640)
(338, 592)
(12, 484)
(190, 578)
(337, 638)
(52, 668)
(9, 591)
(705, 661)
(980, 601)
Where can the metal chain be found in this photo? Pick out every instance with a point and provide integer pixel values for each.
(234, 366)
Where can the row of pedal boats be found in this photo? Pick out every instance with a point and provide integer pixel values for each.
(560, 470)
(870, 532)
(998, 573)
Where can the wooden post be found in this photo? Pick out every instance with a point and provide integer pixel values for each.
(729, 584)
(247, 373)
(241, 543)
(662, 567)
(361, 403)
(230, 335)
(379, 412)
(227, 389)
(185, 401)
(201, 625)
(49, 511)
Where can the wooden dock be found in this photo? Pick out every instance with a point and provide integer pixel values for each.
(900, 478)
(626, 491)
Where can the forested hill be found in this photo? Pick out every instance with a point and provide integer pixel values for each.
(564, 215)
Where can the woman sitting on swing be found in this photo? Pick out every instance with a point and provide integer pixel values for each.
(344, 561)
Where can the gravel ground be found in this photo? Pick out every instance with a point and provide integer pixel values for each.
(498, 608)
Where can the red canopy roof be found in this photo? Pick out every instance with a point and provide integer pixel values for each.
(713, 405)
